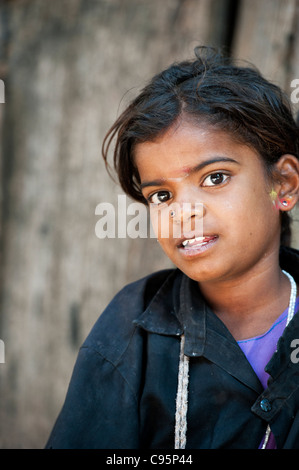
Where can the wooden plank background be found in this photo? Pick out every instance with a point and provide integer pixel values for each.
(69, 67)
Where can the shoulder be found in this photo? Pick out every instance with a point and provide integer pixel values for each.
(114, 330)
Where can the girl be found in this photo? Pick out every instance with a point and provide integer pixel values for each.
(201, 356)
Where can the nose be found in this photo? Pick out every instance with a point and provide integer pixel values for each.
(188, 217)
(186, 210)
(187, 204)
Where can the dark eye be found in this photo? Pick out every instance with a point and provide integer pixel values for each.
(160, 197)
(214, 179)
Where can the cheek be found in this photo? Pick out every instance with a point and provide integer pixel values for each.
(246, 212)
(252, 218)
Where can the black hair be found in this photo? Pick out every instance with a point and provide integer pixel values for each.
(213, 90)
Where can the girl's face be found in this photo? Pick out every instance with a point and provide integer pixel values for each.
(233, 225)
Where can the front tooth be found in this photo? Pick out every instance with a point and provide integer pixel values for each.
(190, 241)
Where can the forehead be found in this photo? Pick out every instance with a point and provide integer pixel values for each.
(185, 145)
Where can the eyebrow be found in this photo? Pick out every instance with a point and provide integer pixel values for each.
(195, 169)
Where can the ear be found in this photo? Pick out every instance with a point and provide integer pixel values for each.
(287, 189)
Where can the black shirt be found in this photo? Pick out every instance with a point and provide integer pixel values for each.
(122, 394)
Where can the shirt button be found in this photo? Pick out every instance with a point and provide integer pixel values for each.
(265, 405)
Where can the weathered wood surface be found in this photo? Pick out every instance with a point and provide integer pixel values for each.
(267, 34)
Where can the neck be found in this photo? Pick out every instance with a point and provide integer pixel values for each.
(249, 304)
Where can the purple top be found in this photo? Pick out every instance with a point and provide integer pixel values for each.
(259, 351)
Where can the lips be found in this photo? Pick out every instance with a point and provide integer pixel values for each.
(195, 245)
(187, 242)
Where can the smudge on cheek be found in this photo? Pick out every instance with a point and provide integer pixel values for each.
(274, 198)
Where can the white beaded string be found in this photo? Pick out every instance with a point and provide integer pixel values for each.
(182, 400)
(183, 381)
(291, 312)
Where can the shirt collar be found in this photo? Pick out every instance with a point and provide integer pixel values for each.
(161, 315)
(178, 305)
(179, 308)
